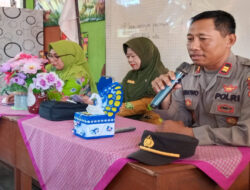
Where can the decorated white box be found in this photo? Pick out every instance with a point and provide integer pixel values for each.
(93, 126)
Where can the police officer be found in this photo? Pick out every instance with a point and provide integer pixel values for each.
(212, 103)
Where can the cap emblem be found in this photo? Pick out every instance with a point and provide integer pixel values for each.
(148, 142)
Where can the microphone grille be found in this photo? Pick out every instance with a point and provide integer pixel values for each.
(184, 67)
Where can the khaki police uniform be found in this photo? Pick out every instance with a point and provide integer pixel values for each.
(218, 110)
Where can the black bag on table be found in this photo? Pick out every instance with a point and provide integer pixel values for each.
(59, 111)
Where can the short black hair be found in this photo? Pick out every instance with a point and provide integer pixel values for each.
(223, 21)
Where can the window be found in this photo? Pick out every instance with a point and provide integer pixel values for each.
(11, 3)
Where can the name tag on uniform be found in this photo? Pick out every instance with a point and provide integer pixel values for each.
(130, 81)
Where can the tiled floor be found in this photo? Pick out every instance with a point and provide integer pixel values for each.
(7, 178)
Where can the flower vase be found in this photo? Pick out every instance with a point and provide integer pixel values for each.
(20, 101)
(34, 101)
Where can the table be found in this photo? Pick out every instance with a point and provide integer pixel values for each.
(170, 177)
(133, 176)
(14, 153)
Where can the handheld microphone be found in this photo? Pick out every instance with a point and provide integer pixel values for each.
(180, 72)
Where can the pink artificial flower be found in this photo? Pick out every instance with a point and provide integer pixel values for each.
(45, 81)
(5, 67)
(8, 76)
(22, 68)
(31, 66)
(59, 85)
(21, 75)
(16, 65)
(51, 78)
(17, 80)
(24, 56)
(42, 83)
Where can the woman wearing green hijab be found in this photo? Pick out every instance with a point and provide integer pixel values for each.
(68, 61)
(144, 58)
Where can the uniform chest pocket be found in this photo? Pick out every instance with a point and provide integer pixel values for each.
(225, 108)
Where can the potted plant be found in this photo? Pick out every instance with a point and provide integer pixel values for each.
(19, 73)
(42, 83)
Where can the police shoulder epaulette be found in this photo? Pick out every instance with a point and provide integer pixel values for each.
(245, 62)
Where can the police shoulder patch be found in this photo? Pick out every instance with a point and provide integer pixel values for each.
(226, 67)
(245, 62)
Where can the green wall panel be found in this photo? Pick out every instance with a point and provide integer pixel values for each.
(96, 46)
(29, 4)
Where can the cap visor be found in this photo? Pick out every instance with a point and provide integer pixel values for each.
(151, 158)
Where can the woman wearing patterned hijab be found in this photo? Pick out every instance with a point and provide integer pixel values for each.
(144, 58)
(68, 61)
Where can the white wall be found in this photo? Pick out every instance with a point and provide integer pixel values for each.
(165, 23)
